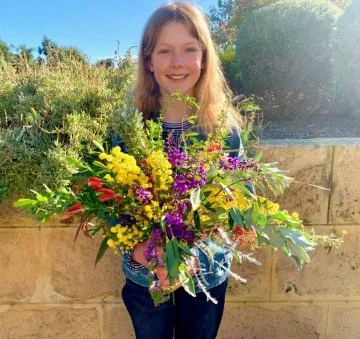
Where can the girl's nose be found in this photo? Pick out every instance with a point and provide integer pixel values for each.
(177, 60)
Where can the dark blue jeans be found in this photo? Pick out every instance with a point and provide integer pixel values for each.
(183, 315)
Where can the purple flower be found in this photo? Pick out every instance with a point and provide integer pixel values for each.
(230, 164)
(194, 178)
(175, 156)
(142, 194)
(151, 253)
(175, 226)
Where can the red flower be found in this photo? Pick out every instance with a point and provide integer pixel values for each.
(107, 194)
(95, 183)
(77, 208)
(214, 147)
(239, 230)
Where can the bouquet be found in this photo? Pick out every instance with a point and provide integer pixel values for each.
(177, 200)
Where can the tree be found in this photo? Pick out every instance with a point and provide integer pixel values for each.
(5, 52)
(226, 19)
(52, 51)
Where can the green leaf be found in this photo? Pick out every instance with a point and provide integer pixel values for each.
(99, 164)
(261, 220)
(41, 198)
(197, 220)
(185, 249)
(103, 247)
(75, 162)
(172, 259)
(298, 254)
(195, 198)
(99, 146)
(189, 284)
(25, 203)
(299, 238)
(236, 216)
(273, 236)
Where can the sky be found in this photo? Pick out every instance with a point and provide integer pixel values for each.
(94, 27)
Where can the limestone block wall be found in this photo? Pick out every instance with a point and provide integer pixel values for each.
(50, 288)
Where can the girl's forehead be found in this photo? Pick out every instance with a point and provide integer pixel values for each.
(175, 32)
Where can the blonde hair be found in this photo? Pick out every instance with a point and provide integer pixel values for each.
(211, 90)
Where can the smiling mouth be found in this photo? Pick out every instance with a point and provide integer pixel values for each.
(177, 77)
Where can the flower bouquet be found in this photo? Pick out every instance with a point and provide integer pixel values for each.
(176, 200)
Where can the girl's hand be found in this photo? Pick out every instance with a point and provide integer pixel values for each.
(161, 272)
(138, 253)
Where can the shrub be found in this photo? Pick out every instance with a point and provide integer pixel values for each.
(284, 52)
(347, 61)
(49, 112)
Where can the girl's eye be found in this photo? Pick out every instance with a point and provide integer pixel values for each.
(164, 51)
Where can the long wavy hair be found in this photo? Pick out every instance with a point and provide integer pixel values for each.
(211, 90)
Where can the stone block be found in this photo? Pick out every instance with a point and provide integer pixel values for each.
(118, 322)
(307, 165)
(72, 266)
(20, 264)
(273, 320)
(50, 321)
(345, 195)
(258, 278)
(344, 320)
(333, 275)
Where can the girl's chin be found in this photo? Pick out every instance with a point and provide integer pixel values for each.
(178, 90)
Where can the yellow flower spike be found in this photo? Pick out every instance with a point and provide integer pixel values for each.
(109, 178)
(295, 215)
(113, 229)
(110, 243)
(102, 156)
(116, 151)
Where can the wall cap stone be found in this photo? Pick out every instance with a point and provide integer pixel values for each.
(311, 142)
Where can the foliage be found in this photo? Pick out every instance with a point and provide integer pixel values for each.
(51, 111)
(228, 16)
(284, 51)
(346, 61)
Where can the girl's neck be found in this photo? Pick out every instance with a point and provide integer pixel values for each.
(177, 112)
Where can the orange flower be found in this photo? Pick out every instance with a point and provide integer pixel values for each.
(214, 147)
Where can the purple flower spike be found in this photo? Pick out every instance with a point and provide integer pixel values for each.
(151, 252)
(175, 156)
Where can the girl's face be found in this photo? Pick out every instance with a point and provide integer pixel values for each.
(176, 60)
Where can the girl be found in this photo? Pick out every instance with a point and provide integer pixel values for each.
(178, 54)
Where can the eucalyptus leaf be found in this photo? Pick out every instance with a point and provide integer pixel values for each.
(195, 198)
(236, 216)
(103, 247)
(298, 238)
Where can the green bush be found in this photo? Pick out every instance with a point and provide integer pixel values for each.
(347, 61)
(51, 111)
(284, 52)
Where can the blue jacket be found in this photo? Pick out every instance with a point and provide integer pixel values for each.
(212, 274)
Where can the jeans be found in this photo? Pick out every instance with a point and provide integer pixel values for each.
(183, 315)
